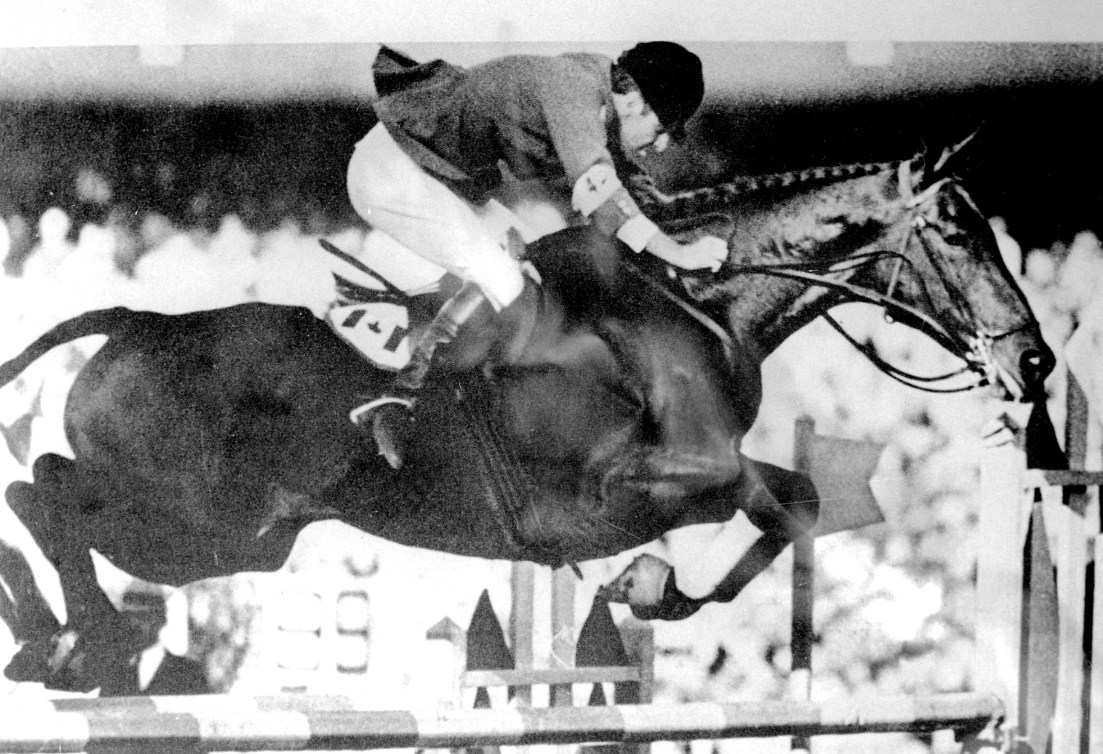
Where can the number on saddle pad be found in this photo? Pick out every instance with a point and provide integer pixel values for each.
(370, 315)
(378, 330)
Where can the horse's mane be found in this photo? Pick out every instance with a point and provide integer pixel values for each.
(686, 205)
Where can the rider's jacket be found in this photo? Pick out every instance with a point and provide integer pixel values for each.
(541, 115)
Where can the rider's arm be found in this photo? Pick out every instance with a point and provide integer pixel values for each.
(600, 196)
(577, 130)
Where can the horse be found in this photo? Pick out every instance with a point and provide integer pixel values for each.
(608, 408)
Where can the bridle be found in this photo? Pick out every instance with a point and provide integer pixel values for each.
(974, 347)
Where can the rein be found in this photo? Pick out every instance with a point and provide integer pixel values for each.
(794, 271)
(974, 351)
(708, 322)
(802, 271)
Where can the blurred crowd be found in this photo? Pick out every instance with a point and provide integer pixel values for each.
(894, 601)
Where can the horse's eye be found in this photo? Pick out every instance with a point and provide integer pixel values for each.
(955, 237)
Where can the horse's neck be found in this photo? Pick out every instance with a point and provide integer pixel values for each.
(828, 222)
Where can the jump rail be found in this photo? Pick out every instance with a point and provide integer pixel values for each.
(302, 723)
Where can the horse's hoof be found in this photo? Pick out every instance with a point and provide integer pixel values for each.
(649, 588)
(77, 664)
(674, 606)
(641, 585)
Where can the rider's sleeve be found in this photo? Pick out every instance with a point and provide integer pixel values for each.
(571, 102)
(599, 195)
(572, 105)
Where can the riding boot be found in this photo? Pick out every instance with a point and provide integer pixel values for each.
(391, 413)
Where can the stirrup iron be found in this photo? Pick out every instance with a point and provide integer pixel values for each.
(360, 411)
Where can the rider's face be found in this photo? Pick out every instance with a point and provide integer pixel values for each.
(640, 128)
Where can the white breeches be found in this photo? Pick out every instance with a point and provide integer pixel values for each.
(394, 195)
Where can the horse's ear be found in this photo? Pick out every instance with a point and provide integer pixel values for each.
(948, 153)
(914, 173)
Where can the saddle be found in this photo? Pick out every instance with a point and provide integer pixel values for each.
(465, 451)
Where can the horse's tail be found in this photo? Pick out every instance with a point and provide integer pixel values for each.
(98, 322)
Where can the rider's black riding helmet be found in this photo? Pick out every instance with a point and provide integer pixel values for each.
(670, 79)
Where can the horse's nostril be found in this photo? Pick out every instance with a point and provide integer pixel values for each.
(1042, 362)
(1036, 365)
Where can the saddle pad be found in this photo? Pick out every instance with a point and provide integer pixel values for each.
(371, 291)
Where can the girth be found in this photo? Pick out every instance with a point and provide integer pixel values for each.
(460, 456)
(459, 451)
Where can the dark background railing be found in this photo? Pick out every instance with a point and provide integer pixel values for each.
(265, 131)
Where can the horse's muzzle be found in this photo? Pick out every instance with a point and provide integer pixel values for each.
(1019, 364)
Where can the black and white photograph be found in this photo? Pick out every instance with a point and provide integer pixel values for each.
(601, 376)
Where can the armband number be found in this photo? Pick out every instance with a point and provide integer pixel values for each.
(594, 188)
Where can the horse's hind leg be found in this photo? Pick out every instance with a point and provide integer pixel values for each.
(96, 644)
(26, 613)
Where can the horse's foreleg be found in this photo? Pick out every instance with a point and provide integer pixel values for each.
(796, 505)
(684, 484)
(788, 511)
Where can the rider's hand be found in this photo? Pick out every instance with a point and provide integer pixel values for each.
(707, 252)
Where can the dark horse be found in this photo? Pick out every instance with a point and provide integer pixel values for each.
(609, 408)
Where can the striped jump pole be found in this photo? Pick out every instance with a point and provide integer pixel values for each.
(240, 723)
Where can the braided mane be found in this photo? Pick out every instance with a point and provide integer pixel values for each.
(693, 203)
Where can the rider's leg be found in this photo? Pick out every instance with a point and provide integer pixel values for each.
(392, 193)
(395, 195)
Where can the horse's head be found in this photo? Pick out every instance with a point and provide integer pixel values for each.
(953, 283)
(904, 236)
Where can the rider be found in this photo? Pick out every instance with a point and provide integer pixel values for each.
(424, 173)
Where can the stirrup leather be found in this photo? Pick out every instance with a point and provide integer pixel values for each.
(360, 411)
